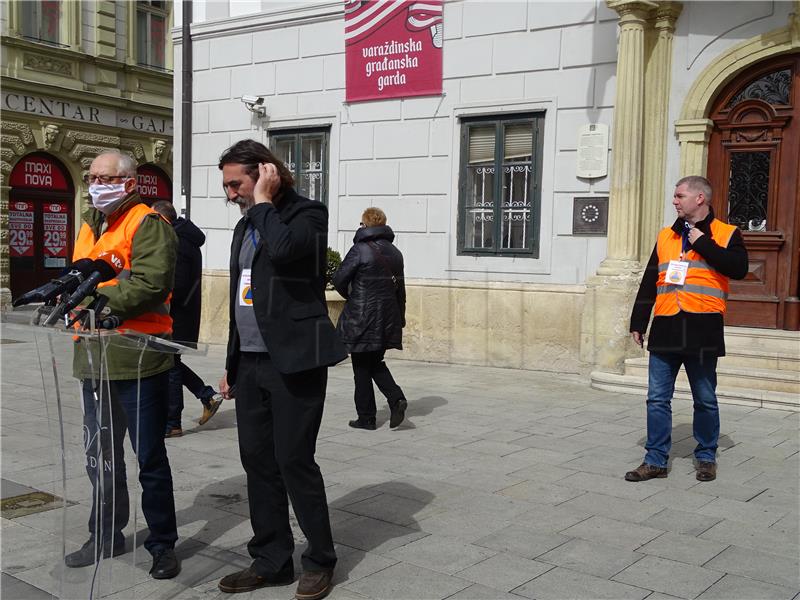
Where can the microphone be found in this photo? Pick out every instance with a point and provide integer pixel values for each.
(64, 284)
(105, 267)
(110, 322)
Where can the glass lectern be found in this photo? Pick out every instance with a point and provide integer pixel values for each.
(73, 431)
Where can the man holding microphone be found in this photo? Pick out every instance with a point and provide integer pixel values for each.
(687, 281)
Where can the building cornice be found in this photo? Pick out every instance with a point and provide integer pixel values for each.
(310, 12)
(84, 97)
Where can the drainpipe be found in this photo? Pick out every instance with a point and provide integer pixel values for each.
(186, 107)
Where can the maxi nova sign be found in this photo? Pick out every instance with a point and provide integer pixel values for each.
(59, 108)
(393, 48)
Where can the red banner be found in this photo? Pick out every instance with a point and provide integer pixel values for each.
(38, 172)
(20, 228)
(54, 219)
(152, 185)
(393, 48)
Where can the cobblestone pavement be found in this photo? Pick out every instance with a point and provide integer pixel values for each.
(501, 484)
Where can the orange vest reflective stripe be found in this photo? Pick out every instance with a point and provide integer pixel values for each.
(118, 238)
(704, 290)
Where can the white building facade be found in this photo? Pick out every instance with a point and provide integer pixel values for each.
(549, 285)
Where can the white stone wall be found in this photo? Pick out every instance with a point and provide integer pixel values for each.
(704, 31)
(402, 155)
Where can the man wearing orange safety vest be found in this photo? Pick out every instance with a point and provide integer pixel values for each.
(144, 245)
(687, 281)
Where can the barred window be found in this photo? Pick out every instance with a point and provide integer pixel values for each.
(499, 185)
(305, 153)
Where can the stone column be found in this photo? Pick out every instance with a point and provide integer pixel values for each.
(657, 87)
(604, 328)
(693, 136)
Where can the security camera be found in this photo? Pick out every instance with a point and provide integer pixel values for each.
(255, 104)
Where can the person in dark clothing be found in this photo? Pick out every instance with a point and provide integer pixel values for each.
(687, 281)
(370, 278)
(280, 345)
(185, 312)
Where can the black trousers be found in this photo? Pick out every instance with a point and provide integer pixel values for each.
(278, 418)
(369, 367)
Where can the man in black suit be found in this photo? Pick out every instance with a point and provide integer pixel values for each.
(280, 345)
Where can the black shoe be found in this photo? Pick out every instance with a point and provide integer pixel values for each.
(363, 423)
(165, 564)
(248, 580)
(398, 413)
(90, 553)
(314, 585)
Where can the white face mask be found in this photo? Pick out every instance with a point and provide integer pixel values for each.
(106, 196)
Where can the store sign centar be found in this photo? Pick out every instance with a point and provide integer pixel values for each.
(43, 106)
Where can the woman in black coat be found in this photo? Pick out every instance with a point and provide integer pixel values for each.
(371, 280)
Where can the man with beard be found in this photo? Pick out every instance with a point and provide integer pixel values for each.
(280, 345)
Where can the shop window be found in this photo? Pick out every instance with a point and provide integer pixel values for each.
(500, 185)
(41, 20)
(305, 153)
(152, 17)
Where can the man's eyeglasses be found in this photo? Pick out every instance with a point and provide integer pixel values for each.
(104, 179)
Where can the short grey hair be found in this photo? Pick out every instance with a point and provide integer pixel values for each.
(697, 184)
(126, 165)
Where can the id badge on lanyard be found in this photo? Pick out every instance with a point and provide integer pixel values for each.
(676, 272)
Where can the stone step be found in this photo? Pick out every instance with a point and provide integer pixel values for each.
(633, 384)
(760, 359)
(734, 377)
(768, 340)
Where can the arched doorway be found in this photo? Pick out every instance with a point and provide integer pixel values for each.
(153, 184)
(40, 221)
(753, 166)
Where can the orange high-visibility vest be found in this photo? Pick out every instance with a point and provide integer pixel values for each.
(704, 289)
(118, 240)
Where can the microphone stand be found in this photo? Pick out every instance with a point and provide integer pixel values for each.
(97, 304)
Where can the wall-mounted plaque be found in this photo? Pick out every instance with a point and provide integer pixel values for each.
(592, 159)
(590, 215)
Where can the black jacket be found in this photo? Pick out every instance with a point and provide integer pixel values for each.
(699, 334)
(375, 312)
(186, 296)
(288, 285)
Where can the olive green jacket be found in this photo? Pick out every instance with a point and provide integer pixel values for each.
(154, 251)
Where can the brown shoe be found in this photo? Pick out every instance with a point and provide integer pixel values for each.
(644, 472)
(314, 585)
(210, 409)
(248, 580)
(706, 471)
(173, 432)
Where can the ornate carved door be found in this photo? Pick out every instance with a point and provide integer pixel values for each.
(754, 168)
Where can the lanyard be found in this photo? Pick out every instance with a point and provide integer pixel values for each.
(685, 239)
(252, 231)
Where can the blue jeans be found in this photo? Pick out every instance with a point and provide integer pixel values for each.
(181, 375)
(702, 374)
(105, 421)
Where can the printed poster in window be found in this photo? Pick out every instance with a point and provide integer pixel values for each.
(20, 228)
(393, 49)
(54, 220)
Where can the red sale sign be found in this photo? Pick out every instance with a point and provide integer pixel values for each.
(54, 215)
(393, 48)
(20, 228)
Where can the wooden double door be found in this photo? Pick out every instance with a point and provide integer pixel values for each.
(754, 168)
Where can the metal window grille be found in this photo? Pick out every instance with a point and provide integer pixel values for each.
(305, 154)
